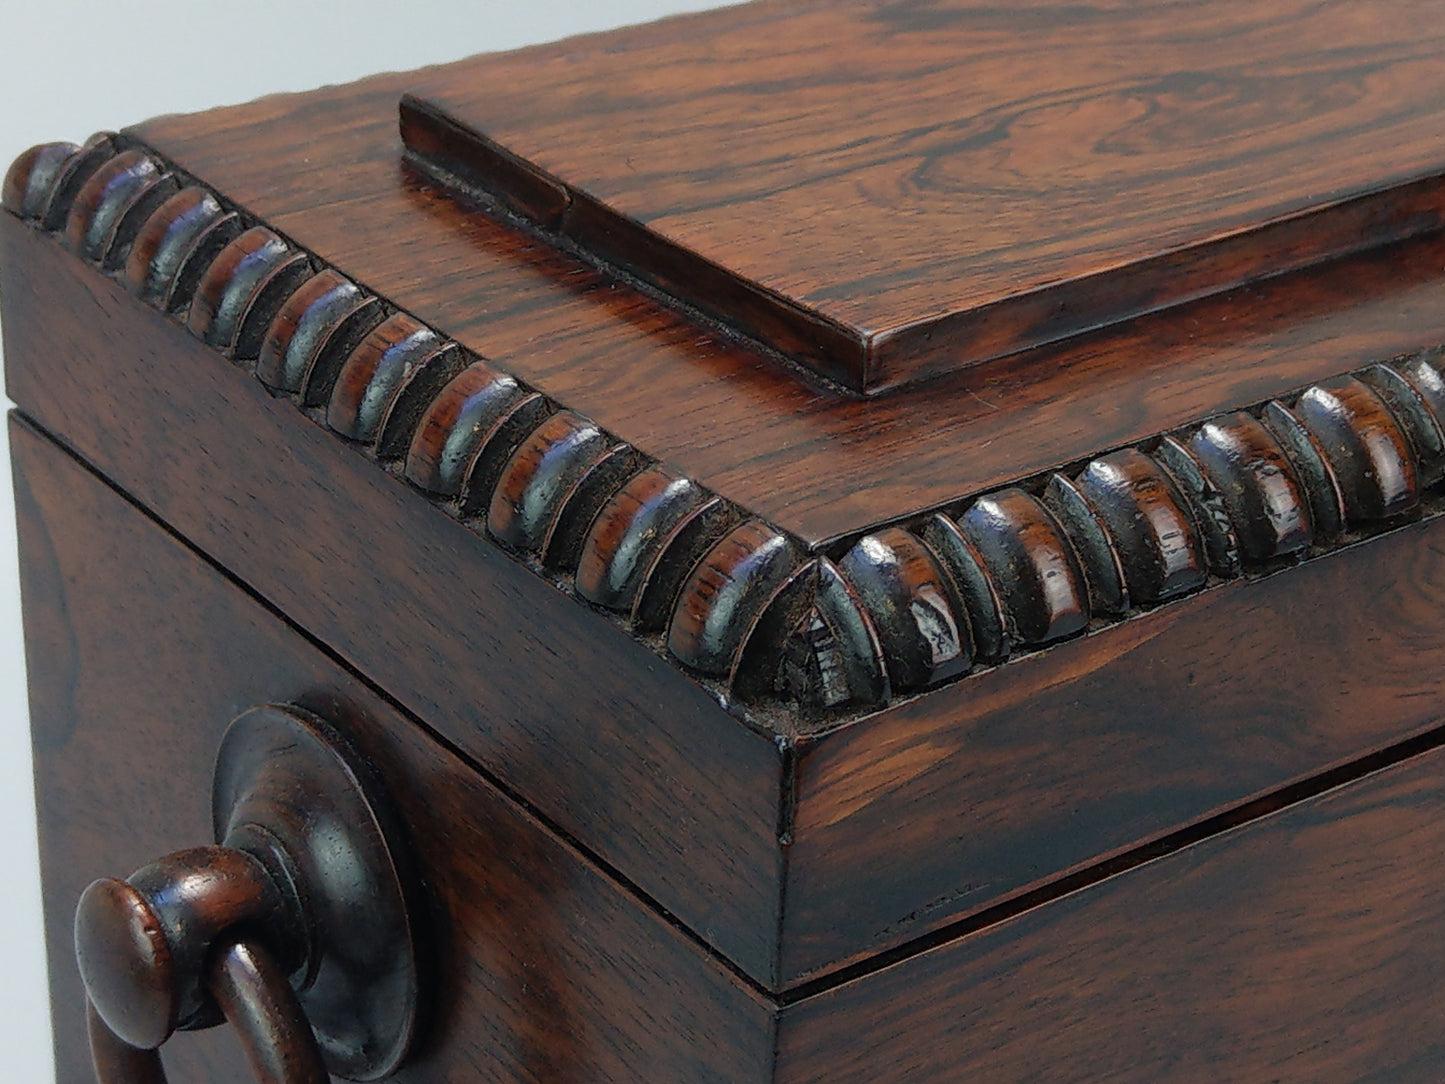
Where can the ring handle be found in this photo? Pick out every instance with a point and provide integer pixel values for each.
(298, 927)
(255, 999)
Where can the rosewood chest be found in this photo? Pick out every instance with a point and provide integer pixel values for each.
(820, 541)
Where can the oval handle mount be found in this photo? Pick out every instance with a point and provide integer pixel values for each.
(298, 927)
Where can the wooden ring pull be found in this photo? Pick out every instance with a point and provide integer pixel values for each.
(255, 999)
(297, 928)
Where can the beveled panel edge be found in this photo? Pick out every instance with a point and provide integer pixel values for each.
(764, 621)
(476, 170)
(479, 171)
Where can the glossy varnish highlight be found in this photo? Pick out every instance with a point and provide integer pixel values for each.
(887, 191)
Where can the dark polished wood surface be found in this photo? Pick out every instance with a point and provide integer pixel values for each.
(1309, 945)
(892, 190)
(140, 654)
(609, 742)
(325, 168)
(635, 844)
(880, 802)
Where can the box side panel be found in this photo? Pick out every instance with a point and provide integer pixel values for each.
(1306, 946)
(141, 654)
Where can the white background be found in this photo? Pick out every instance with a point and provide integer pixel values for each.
(69, 68)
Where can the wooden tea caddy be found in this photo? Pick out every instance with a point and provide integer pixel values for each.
(844, 542)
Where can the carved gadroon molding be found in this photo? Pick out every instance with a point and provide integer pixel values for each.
(729, 596)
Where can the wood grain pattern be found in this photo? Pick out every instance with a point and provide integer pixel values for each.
(887, 191)
(899, 610)
(547, 969)
(818, 466)
(1304, 946)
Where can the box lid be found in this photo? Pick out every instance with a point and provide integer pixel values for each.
(886, 192)
(823, 676)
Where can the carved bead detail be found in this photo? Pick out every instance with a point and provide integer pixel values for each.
(631, 533)
(241, 289)
(1148, 524)
(726, 594)
(1312, 466)
(387, 381)
(902, 608)
(858, 671)
(548, 484)
(1365, 446)
(1264, 500)
(832, 656)
(541, 477)
(71, 177)
(1213, 514)
(457, 426)
(1103, 568)
(1139, 527)
(112, 204)
(982, 606)
(914, 606)
(1032, 563)
(29, 178)
(686, 547)
(177, 237)
(326, 318)
(1415, 396)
